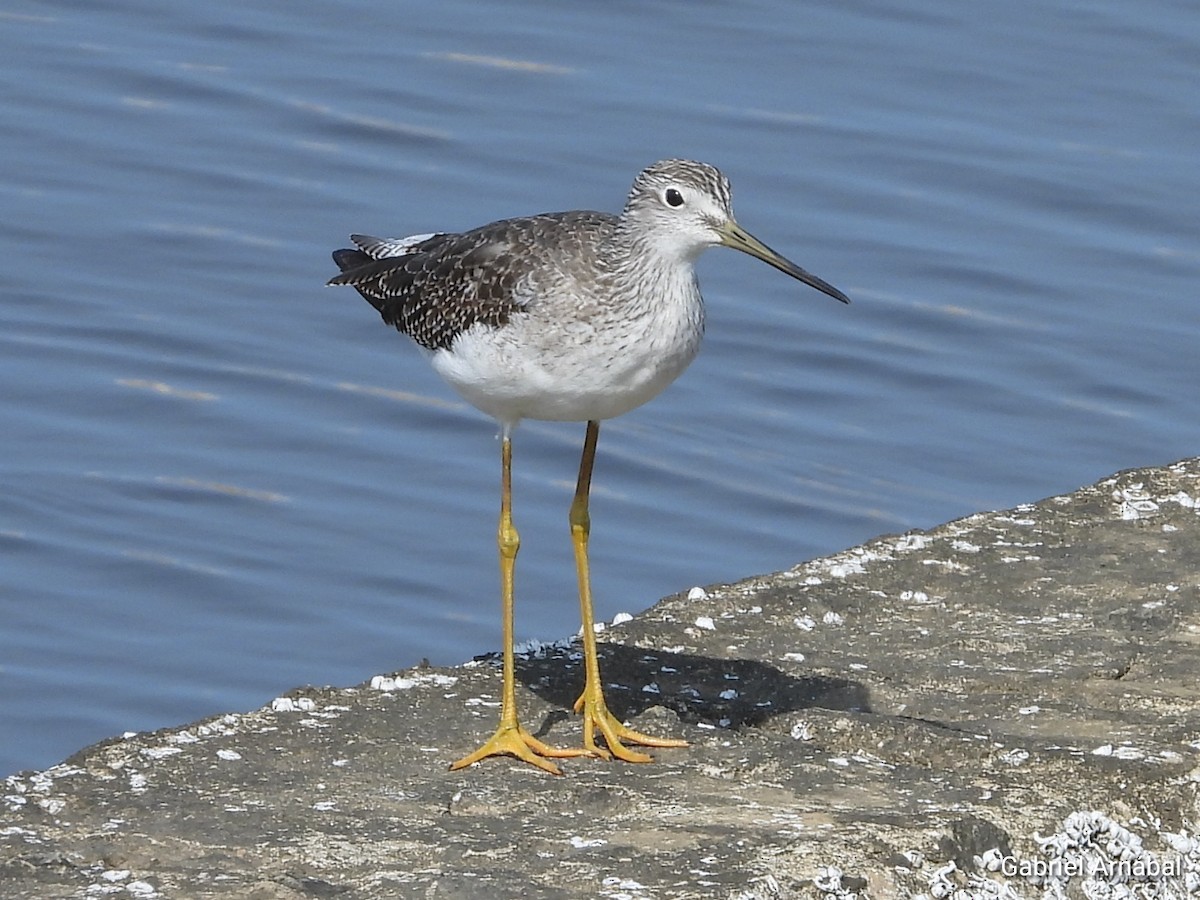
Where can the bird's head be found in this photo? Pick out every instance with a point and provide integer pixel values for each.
(681, 208)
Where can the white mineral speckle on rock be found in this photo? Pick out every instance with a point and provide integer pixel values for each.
(481, 701)
(623, 888)
(697, 593)
(828, 880)
(802, 731)
(159, 752)
(706, 623)
(402, 683)
(229, 754)
(941, 885)
(1134, 502)
(1181, 843)
(911, 542)
(298, 704)
(1014, 757)
(535, 649)
(1124, 751)
(991, 860)
(846, 568)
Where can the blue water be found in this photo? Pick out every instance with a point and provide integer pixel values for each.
(220, 479)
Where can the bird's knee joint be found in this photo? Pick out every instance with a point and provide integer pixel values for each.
(581, 522)
(508, 540)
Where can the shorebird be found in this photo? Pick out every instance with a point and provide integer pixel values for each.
(573, 316)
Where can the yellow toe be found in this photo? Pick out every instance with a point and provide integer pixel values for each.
(513, 740)
(596, 717)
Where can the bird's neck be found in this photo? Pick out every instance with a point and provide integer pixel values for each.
(639, 265)
(647, 292)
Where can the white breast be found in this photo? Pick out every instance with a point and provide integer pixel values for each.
(596, 365)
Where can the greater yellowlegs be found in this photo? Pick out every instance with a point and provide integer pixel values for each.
(572, 316)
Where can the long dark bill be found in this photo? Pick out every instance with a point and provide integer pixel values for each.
(735, 236)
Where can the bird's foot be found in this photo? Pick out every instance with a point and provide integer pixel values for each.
(596, 717)
(513, 740)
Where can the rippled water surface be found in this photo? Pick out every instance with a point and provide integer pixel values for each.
(220, 479)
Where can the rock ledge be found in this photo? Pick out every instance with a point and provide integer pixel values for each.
(1007, 705)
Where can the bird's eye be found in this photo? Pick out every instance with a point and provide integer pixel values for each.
(673, 197)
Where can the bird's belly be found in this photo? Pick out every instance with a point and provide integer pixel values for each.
(512, 376)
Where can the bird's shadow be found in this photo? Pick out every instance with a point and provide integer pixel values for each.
(731, 693)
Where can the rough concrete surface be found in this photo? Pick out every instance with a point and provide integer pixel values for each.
(1003, 706)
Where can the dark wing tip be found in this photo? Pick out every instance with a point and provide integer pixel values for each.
(347, 260)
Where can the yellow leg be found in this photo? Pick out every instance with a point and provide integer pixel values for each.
(591, 703)
(510, 738)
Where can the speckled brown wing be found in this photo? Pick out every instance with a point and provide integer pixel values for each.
(437, 286)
